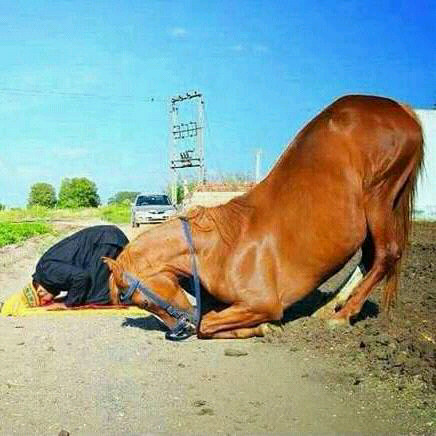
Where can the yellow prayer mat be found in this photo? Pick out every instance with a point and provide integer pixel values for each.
(16, 305)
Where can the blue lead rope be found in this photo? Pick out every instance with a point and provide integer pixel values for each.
(195, 279)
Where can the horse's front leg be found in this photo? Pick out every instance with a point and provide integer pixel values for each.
(239, 321)
(249, 332)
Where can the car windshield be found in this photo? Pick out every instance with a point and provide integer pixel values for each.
(155, 200)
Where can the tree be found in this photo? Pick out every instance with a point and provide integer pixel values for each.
(180, 192)
(42, 194)
(2, 206)
(78, 192)
(123, 197)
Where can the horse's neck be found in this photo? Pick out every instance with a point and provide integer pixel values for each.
(154, 247)
(279, 181)
(222, 223)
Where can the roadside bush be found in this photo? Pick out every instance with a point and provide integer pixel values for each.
(78, 192)
(180, 191)
(123, 197)
(42, 194)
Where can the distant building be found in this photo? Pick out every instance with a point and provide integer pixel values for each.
(425, 205)
(214, 194)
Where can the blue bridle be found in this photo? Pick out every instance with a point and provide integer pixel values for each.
(185, 319)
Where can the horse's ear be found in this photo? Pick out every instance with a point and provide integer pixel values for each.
(110, 263)
(116, 270)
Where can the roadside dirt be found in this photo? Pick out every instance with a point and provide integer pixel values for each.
(93, 374)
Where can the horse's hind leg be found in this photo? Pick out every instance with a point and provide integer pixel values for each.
(343, 293)
(350, 284)
(387, 250)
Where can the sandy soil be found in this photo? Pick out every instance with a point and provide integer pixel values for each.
(106, 375)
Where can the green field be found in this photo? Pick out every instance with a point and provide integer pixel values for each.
(113, 213)
(11, 233)
(45, 214)
(117, 213)
(16, 225)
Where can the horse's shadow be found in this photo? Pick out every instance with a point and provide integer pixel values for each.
(301, 309)
(317, 299)
(149, 323)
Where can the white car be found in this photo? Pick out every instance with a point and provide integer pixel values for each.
(150, 208)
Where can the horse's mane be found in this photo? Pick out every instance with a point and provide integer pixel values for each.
(125, 257)
(228, 220)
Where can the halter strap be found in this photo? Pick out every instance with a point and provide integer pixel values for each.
(135, 284)
(184, 318)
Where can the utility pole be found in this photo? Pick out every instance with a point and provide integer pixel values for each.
(186, 139)
(258, 156)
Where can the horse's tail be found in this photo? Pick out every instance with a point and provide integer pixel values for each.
(403, 211)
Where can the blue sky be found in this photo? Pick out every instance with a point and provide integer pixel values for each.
(84, 85)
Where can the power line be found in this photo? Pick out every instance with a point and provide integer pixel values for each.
(209, 139)
(59, 93)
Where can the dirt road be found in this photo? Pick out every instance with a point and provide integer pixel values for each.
(102, 375)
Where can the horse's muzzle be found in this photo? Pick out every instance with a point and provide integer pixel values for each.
(183, 330)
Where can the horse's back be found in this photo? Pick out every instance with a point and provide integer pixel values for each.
(367, 122)
(358, 140)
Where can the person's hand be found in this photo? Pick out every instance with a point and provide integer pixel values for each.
(55, 306)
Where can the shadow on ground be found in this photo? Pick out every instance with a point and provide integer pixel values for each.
(148, 323)
(303, 308)
(310, 304)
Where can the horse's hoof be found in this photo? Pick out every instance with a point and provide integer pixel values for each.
(271, 329)
(337, 322)
(326, 312)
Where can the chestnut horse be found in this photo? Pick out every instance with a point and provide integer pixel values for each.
(345, 182)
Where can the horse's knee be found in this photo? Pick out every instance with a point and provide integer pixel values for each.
(394, 251)
(273, 310)
(277, 313)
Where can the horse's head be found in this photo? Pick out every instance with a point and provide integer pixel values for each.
(159, 295)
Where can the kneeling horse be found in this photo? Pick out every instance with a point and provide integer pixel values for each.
(346, 182)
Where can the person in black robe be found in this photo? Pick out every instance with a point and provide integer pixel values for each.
(75, 265)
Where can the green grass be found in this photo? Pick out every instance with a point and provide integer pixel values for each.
(115, 213)
(39, 213)
(11, 233)
(17, 225)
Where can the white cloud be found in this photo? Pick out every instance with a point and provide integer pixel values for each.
(260, 48)
(16, 103)
(70, 152)
(256, 48)
(74, 78)
(178, 32)
(238, 47)
(25, 88)
(29, 171)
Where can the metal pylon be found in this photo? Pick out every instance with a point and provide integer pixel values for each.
(184, 153)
